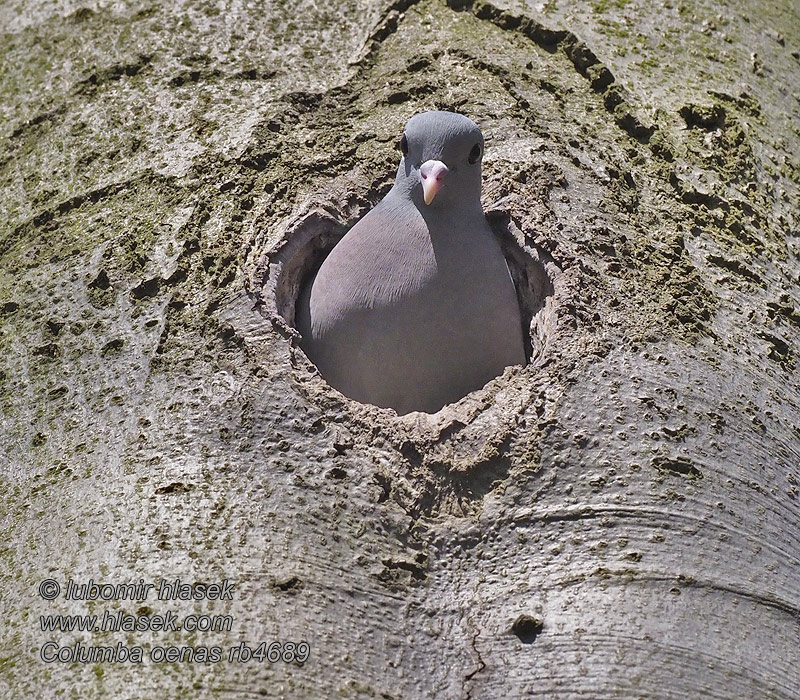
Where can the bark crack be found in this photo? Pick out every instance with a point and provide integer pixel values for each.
(481, 664)
(616, 99)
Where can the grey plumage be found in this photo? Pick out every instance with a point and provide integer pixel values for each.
(414, 307)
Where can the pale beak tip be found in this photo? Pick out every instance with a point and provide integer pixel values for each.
(432, 173)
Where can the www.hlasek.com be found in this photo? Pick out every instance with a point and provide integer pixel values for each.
(147, 621)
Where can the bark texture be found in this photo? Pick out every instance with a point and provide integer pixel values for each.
(618, 519)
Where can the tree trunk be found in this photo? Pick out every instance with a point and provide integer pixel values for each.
(617, 519)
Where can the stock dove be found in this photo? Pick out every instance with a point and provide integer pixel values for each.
(415, 307)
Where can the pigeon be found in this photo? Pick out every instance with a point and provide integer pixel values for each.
(415, 306)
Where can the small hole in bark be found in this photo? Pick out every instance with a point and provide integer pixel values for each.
(291, 584)
(527, 628)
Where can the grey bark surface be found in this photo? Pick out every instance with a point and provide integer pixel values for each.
(618, 519)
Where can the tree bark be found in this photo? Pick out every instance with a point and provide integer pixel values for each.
(617, 519)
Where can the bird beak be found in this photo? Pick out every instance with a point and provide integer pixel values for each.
(432, 173)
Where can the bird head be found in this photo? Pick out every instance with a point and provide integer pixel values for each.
(441, 163)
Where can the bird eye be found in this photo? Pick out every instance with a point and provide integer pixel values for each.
(404, 145)
(474, 154)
